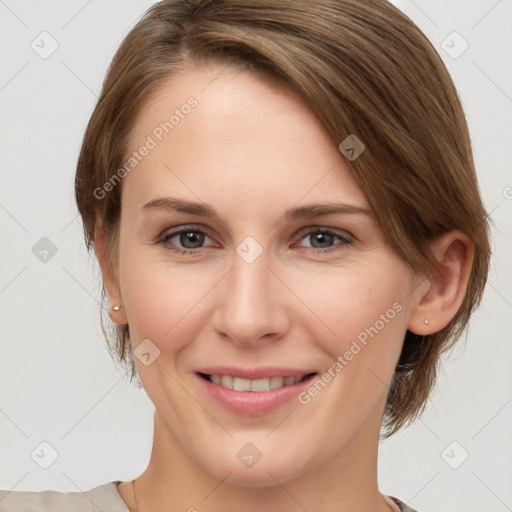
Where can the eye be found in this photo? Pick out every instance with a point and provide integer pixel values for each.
(324, 240)
(185, 240)
(191, 240)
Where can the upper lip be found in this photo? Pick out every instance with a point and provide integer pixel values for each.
(254, 373)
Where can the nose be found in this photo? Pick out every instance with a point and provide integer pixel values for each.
(252, 304)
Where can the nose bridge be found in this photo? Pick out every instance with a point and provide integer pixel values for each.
(250, 304)
(251, 277)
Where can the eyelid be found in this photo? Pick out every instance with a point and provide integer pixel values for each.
(166, 235)
(172, 232)
(302, 233)
(346, 235)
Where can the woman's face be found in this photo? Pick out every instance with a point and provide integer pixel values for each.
(227, 269)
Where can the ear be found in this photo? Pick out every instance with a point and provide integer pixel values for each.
(107, 271)
(441, 295)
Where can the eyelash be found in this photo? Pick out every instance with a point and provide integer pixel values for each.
(345, 240)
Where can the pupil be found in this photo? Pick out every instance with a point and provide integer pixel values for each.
(325, 239)
(191, 239)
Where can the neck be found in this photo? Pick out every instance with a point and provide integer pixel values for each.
(175, 481)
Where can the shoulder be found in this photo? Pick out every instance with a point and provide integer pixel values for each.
(103, 498)
(401, 505)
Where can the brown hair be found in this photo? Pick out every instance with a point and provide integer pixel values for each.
(364, 68)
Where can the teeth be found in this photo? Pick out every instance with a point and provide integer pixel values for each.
(260, 385)
(268, 384)
(276, 382)
(241, 384)
(226, 382)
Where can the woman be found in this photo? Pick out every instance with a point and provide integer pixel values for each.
(282, 199)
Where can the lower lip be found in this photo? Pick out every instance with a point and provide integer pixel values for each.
(253, 403)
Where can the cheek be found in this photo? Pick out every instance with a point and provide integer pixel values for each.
(366, 314)
(349, 300)
(161, 300)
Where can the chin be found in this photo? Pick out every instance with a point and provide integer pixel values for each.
(258, 478)
(263, 473)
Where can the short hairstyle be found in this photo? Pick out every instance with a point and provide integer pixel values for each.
(364, 68)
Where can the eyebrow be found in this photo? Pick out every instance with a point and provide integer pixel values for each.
(301, 212)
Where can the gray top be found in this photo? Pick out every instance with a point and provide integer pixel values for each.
(103, 498)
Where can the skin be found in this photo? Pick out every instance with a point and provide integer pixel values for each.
(251, 150)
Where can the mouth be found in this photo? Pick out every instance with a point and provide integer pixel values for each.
(253, 392)
(254, 385)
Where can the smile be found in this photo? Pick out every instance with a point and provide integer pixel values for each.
(258, 385)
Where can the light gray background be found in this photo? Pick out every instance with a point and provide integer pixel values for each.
(57, 383)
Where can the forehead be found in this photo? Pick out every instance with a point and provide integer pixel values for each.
(215, 129)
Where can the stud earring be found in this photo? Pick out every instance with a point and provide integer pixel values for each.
(116, 308)
(425, 321)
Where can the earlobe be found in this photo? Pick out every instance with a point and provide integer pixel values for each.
(116, 311)
(444, 290)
